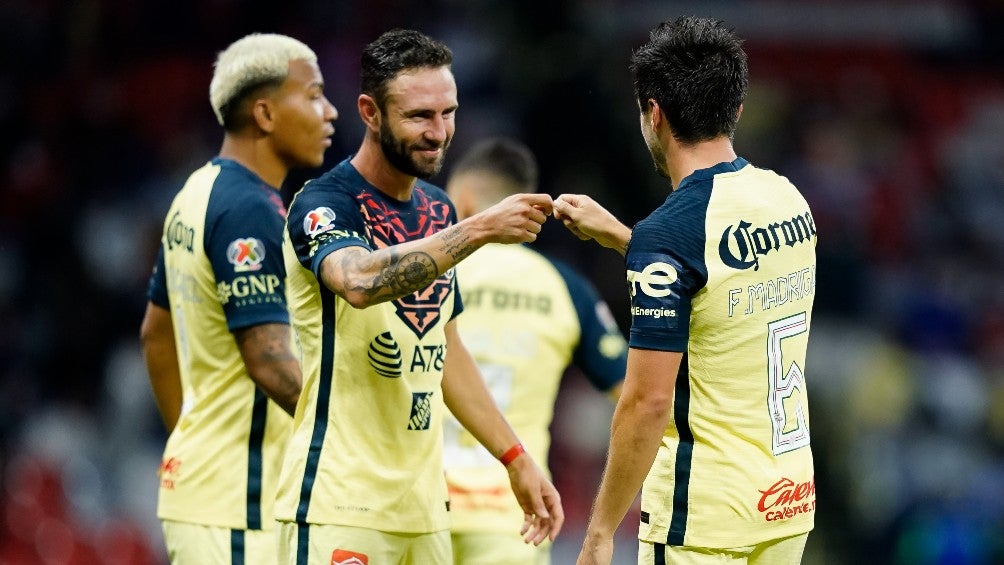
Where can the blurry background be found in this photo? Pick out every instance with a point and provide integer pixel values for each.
(889, 116)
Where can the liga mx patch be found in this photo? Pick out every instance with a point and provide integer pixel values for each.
(318, 220)
(246, 254)
(345, 557)
(421, 411)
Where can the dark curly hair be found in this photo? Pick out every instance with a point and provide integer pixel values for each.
(695, 68)
(395, 51)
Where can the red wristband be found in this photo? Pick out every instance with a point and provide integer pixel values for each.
(511, 454)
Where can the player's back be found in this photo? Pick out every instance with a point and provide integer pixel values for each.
(736, 468)
(220, 462)
(525, 320)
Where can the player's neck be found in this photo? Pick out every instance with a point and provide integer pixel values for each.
(683, 160)
(256, 156)
(371, 163)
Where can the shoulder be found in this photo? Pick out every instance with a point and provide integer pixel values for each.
(238, 191)
(337, 184)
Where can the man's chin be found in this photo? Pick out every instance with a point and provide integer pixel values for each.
(428, 169)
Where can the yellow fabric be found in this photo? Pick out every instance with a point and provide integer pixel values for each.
(506, 287)
(348, 545)
(786, 551)
(751, 475)
(204, 473)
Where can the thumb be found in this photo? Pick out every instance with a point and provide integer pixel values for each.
(562, 207)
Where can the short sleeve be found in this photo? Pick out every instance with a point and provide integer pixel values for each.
(156, 291)
(665, 268)
(244, 246)
(602, 351)
(323, 219)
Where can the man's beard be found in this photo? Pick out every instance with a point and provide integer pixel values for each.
(397, 153)
(658, 159)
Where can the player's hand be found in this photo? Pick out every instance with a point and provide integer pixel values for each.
(540, 501)
(585, 218)
(516, 219)
(596, 550)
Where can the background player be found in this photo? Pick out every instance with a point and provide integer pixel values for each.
(526, 318)
(714, 415)
(216, 331)
(373, 298)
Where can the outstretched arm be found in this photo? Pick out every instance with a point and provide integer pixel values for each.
(364, 277)
(467, 397)
(161, 357)
(585, 218)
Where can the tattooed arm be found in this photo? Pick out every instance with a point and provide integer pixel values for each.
(271, 363)
(365, 278)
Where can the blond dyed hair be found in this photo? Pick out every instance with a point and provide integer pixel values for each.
(256, 59)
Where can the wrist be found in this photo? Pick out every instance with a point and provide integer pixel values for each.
(512, 454)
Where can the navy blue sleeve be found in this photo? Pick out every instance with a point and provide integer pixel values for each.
(244, 245)
(602, 350)
(156, 291)
(665, 268)
(324, 218)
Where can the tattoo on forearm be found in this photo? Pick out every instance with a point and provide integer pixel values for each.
(409, 272)
(456, 243)
(398, 274)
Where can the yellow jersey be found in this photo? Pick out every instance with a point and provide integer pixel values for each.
(724, 271)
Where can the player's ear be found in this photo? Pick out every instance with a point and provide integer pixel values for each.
(369, 111)
(739, 112)
(263, 114)
(655, 114)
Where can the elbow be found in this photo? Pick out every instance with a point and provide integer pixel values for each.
(358, 300)
(147, 332)
(352, 291)
(361, 299)
(649, 404)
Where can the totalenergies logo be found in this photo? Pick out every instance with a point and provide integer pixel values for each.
(318, 220)
(654, 280)
(787, 499)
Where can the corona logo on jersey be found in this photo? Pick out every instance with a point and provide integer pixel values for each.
(345, 557)
(421, 411)
(385, 356)
(178, 234)
(785, 499)
(742, 245)
(245, 254)
(318, 220)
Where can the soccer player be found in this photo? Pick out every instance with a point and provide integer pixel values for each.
(370, 254)
(215, 335)
(526, 318)
(714, 416)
